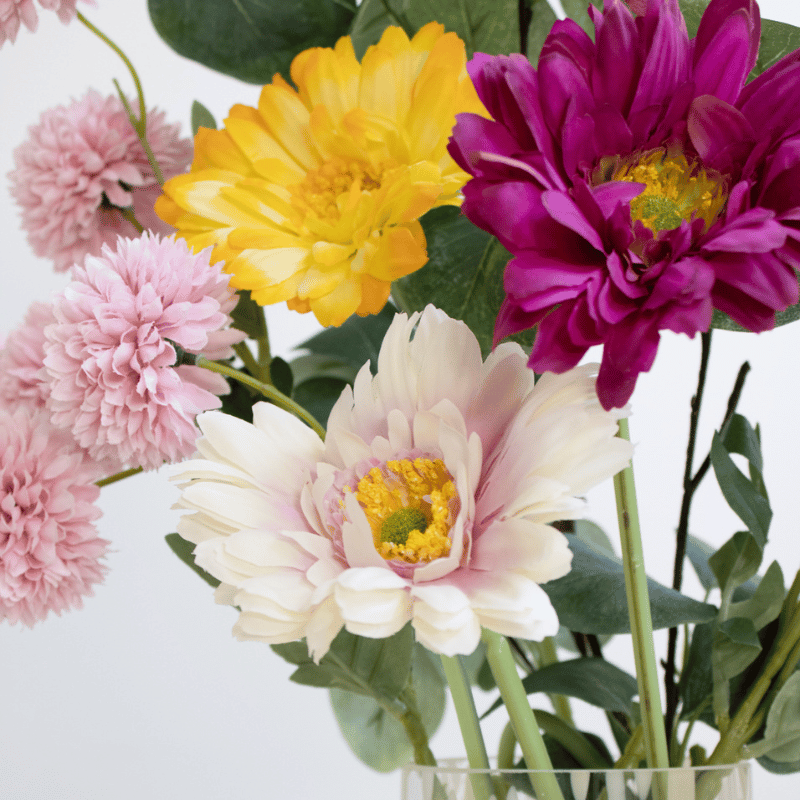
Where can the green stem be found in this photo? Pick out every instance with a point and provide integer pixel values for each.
(264, 352)
(508, 744)
(243, 351)
(140, 124)
(549, 655)
(634, 750)
(415, 729)
(118, 476)
(270, 392)
(127, 214)
(526, 728)
(639, 614)
(573, 741)
(470, 725)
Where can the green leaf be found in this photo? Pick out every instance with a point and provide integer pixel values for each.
(318, 396)
(184, 550)
(201, 118)
(767, 600)
(248, 39)
(375, 735)
(542, 19)
(736, 561)
(485, 26)
(373, 667)
(239, 401)
(739, 436)
(740, 493)
(316, 365)
(736, 646)
(698, 552)
(594, 536)
(778, 39)
(782, 731)
(463, 276)
(591, 597)
(356, 341)
(593, 680)
(692, 12)
(281, 375)
(248, 316)
(696, 684)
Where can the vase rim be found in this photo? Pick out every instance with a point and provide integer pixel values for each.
(460, 765)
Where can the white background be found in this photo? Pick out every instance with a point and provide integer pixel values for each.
(144, 693)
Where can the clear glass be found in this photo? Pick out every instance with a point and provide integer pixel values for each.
(452, 780)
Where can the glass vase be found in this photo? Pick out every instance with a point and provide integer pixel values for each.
(454, 780)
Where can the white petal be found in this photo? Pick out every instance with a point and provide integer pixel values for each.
(373, 602)
(443, 619)
(359, 546)
(321, 630)
(295, 436)
(539, 552)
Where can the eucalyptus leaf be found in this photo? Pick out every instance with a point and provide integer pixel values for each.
(184, 550)
(736, 646)
(249, 39)
(316, 365)
(766, 602)
(782, 731)
(594, 536)
(201, 118)
(248, 316)
(318, 396)
(740, 493)
(591, 597)
(280, 374)
(739, 436)
(463, 276)
(593, 680)
(736, 561)
(696, 684)
(698, 552)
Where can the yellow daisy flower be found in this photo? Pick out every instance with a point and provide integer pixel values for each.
(314, 197)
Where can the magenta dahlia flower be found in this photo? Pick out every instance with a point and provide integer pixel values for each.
(14, 13)
(109, 359)
(22, 359)
(82, 167)
(638, 183)
(50, 553)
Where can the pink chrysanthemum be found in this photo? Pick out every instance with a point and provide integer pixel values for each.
(14, 13)
(49, 549)
(112, 380)
(22, 359)
(81, 167)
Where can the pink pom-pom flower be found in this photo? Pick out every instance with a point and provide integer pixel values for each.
(109, 357)
(81, 167)
(15, 13)
(50, 553)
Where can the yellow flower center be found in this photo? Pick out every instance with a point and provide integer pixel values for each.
(676, 190)
(325, 190)
(409, 506)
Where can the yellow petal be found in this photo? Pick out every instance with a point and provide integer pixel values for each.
(329, 254)
(287, 119)
(400, 252)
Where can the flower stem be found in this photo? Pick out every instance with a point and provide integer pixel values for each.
(640, 618)
(470, 725)
(270, 392)
(118, 476)
(526, 728)
(140, 124)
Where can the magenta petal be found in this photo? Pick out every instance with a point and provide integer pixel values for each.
(553, 351)
(618, 61)
(715, 126)
(755, 231)
(770, 101)
(562, 208)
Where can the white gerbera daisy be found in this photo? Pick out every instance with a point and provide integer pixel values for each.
(428, 502)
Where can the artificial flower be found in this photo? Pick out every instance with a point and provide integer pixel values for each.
(638, 183)
(83, 171)
(314, 197)
(22, 359)
(14, 13)
(109, 356)
(428, 501)
(50, 553)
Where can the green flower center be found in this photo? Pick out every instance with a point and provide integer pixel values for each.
(397, 526)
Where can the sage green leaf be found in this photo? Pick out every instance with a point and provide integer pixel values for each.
(593, 680)
(356, 341)
(184, 550)
(779, 767)
(783, 723)
(697, 683)
(736, 646)
(698, 552)
(248, 316)
(485, 26)
(316, 365)
(692, 12)
(766, 602)
(736, 561)
(739, 436)
(542, 19)
(591, 597)
(201, 118)
(463, 276)
(740, 493)
(594, 536)
(249, 39)
(374, 734)
(778, 39)
(280, 374)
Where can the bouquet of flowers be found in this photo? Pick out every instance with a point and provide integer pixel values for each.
(467, 197)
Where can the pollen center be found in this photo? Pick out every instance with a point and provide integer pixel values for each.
(676, 190)
(327, 190)
(410, 506)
